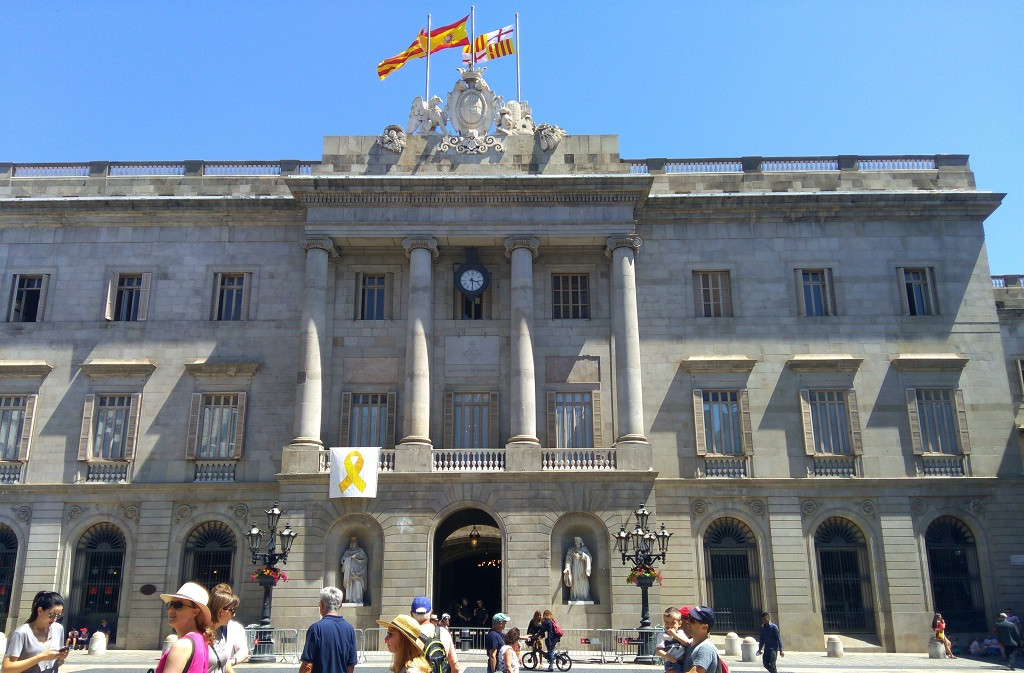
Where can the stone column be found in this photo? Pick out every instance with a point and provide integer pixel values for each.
(626, 328)
(521, 251)
(309, 381)
(422, 252)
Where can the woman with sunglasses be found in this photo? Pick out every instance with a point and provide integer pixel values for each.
(405, 646)
(222, 609)
(233, 631)
(38, 644)
(189, 616)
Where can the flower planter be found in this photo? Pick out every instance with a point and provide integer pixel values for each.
(266, 581)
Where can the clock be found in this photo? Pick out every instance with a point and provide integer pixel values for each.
(472, 278)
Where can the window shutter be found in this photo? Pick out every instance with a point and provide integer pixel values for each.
(698, 298)
(901, 283)
(830, 293)
(1020, 374)
(933, 290)
(389, 296)
(492, 419)
(595, 408)
(133, 426)
(916, 442)
(805, 416)
(147, 280)
(346, 420)
(85, 439)
(26, 427)
(726, 294)
(246, 294)
(856, 443)
(239, 427)
(13, 298)
(215, 303)
(449, 420)
(552, 421)
(961, 421)
(392, 413)
(192, 443)
(700, 438)
(801, 305)
(44, 287)
(745, 426)
(358, 303)
(111, 294)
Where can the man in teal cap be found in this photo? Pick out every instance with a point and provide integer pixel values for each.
(495, 640)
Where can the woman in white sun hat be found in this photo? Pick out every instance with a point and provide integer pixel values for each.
(189, 616)
(405, 646)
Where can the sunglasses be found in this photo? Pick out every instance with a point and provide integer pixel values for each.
(389, 634)
(231, 610)
(178, 605)
(55, 615)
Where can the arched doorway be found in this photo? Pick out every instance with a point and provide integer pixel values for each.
(734, 585)
(96, 578)
(468, 562)
(8, 560)
(209, 555)
(843, 574)
(956, 580)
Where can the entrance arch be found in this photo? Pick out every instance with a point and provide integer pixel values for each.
(844, 577)
(956, 579)
(731, 563)
(96, 578)
(468, 560)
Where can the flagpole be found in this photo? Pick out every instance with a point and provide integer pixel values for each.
(519, 87)
(472, 39)
(426, 95)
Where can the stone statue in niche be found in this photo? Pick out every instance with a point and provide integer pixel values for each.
(353, 572)
(576, 573)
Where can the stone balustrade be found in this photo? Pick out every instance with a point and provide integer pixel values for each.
(156, 169)
(797, 164)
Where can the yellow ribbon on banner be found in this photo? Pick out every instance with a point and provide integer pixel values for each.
(353, 464)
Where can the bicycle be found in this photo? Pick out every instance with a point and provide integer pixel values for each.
(534, 658)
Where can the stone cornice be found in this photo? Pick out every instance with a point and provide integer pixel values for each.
(213, 368)
(28, 369)
(719, 364)
(118, 368)
(815, 364)
(930, 362)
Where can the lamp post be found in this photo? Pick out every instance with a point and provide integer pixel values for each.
(264, 648)
(642, 547)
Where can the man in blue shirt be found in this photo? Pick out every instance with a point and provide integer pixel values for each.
(770, 642)
(494, 640)
(330, 642)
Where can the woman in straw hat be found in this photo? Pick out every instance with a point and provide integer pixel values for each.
(189, 616)
(403, 641)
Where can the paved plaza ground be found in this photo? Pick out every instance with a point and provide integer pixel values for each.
(138, 661)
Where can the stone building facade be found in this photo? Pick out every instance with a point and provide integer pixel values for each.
(795, 363)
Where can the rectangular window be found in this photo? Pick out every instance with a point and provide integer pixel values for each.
(938, 421)
(368, 419)
(110, 436)
(12, 422)
(374, 296)
(28, 298)
(815, 292)
(570, 296)
(723, 434)
(827, 422)
(231, 296)
(128, 296)
(917, 295)
(472, 307)
(574, 420)
(471, 419)
(712, 295)
(218, 428)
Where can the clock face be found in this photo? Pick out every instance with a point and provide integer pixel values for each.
(471, 280)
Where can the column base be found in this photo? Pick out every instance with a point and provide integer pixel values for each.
(523, 441)
(633, 454)
(301, 456)
(414, 456)
(522, 455)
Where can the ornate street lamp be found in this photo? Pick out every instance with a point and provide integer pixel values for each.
(268, 576)
(642, 547)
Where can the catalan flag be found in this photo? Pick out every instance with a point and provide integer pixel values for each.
(389, 65)
(445, 37)
(491, 45)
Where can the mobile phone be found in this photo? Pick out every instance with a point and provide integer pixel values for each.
(66, 648)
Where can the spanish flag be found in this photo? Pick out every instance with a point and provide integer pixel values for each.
(445, 37)
(389, 65)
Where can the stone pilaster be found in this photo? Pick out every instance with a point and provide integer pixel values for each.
(422, 251)
(521, 252)
(626, 329)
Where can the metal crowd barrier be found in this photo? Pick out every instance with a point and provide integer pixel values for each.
(282, 644)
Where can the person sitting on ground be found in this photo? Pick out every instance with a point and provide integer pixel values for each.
(992, 646)
(977, 649)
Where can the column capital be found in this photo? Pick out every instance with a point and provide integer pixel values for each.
(425, 242)
(531, 243)
(622, 241)
(325, 244)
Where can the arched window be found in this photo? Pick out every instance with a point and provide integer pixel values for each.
(209, 553)
(956, 580)
(843, 574)
(732, 566)
(96, 578)
(8, 559)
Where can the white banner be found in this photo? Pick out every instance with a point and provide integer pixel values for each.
(354, 471)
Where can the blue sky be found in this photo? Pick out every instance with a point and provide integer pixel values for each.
(148, 80)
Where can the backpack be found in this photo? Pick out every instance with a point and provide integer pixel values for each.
(556, 629)
(433, 652)
(722, 666)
